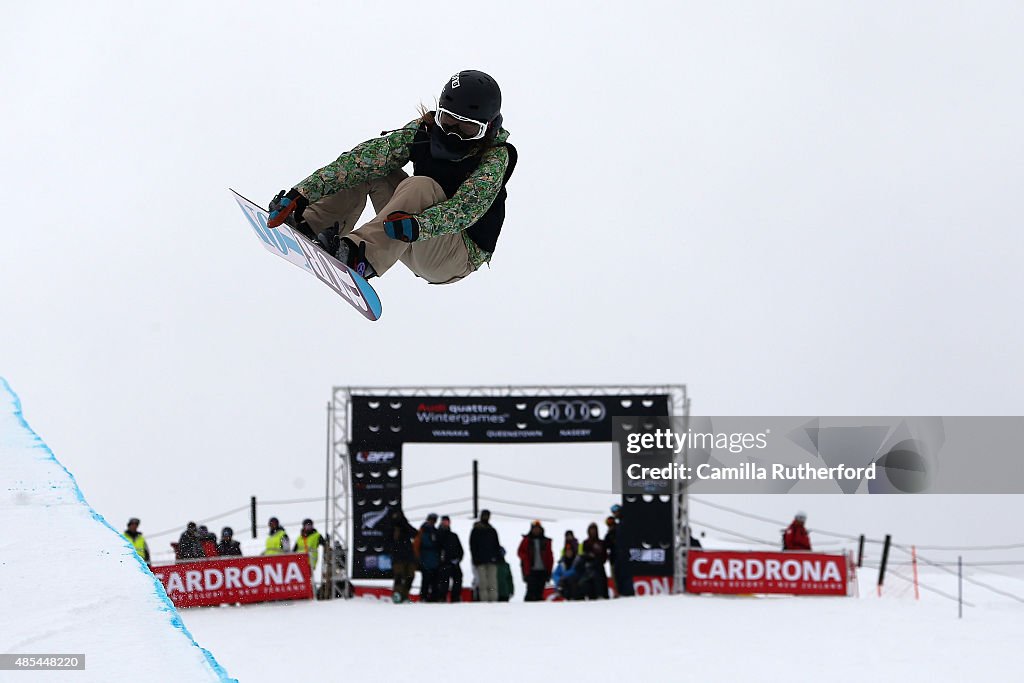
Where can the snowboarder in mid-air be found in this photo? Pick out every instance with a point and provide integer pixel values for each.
(443, 222)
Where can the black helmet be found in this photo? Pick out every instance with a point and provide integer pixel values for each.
(472, 94)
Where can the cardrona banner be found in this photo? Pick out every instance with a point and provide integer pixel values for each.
(217, 581)
(739, 572)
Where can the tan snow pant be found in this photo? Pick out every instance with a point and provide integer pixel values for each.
(439, 260)
(487, 582)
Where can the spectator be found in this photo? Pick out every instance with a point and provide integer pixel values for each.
(428, 550)
(623, 571)
(484, 552)
(536, 561)
(209, 541)
(609, 543)
(403, 556)
(450, 575)
(134, 537)
(796, 536)
(277, 538)
(694, 542)
(594, 582)
(228, 547)
(571, 540)
(506, 586)
(566, 576)
(309, 541)
(190, 546)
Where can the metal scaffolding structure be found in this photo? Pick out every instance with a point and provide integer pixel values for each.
(339, 436)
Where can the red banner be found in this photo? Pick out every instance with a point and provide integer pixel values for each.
(738, 572)
(239, 579)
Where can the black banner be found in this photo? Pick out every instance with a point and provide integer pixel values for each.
(376, 491)
(498, 419)
(646, 529)
(646, 534)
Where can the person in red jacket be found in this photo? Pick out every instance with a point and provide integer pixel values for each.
(796, 536)
(208, 540)
(537, 561)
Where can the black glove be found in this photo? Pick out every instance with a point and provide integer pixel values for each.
(287, 208)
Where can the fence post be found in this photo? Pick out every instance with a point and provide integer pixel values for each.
(476, 490)
(885, 559)
(252, 515)
(913, 559)
(960, 586)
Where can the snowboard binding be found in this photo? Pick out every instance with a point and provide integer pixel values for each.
(345, 250)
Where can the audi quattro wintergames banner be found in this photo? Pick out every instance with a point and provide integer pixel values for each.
(242, 579)
(499, 419)
(793, 573)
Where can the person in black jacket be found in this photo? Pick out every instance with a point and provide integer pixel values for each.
(190, 544)
(567, 573)
(593, 583)
(694, 541)
(428, 551)
(403, 557)
(227, 546)
(609, 543)
(450, 575)
(623, 571)
(484, 551)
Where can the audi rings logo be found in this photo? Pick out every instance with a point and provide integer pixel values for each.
(570, 411)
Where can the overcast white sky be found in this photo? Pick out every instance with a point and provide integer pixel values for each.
(792, 207)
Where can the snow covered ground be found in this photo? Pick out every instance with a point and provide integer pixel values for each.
(665, 638)
(70, 583)
(101, 601)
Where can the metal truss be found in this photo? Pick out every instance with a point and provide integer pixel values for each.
(340, 435)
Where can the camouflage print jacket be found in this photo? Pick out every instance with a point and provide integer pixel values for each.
(381, 156)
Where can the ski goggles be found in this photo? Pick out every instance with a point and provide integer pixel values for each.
(453, 124)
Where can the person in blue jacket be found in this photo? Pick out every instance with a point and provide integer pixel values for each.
(566, 575)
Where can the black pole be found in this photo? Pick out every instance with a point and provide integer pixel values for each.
(885, 559)
(860, 552)
(476, 490)
(252, 515)
(960, 586)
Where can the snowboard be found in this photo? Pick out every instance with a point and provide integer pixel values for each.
(297, 249)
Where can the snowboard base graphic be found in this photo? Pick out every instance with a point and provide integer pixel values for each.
(297, 249)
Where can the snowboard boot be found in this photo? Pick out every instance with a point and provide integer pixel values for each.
(354, 256)
(328, 239)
